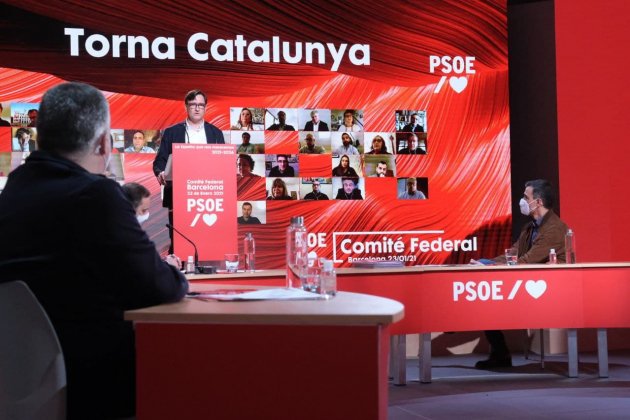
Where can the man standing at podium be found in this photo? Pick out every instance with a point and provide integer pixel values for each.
(544, 232)
(193, 130)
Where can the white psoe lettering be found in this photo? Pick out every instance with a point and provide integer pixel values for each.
(491, 290)
(447, 65)
(483, 290)
(204, 205)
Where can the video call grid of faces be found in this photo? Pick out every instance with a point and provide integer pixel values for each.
(337, 133)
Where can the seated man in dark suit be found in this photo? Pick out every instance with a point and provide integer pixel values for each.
(546, 231)
(281, 125)
(283, 169)
(140, 198)
(412, 146)
(75, 240)
(316, 194)
(349, 189)
(414, 126)
(315, 124)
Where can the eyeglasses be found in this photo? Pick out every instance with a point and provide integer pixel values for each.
(196, 106)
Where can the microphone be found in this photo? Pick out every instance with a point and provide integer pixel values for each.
(170, 226)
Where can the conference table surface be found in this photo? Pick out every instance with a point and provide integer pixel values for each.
(475, 297)
(345, 308)
(307, 359)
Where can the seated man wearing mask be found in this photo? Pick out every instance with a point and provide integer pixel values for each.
(544, 232)
(76, 242)
(139, 197)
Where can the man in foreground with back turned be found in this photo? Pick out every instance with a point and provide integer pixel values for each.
(544, 232)
(72, 236)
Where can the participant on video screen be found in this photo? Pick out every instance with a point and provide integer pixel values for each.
(346, 148)
(246, 146)
(412, 146)
(349, 189)
(282, 169)
(350, 122)
(379, 147)
(315, 124)
(412, 193)
(281, 125)
(3, 122)
(414, 125)
(247, 218)
(245, 166)
(32, 116)
(22, 141)
(380, 171)
(310, 147)
(316, 194)
(279, 190)
(245, 120)
(344, 168)
(139, 144)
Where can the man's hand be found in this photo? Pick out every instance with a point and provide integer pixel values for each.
(174, 260)
(161, 179)
(474, 262)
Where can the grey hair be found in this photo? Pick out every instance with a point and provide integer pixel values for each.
(72, 116)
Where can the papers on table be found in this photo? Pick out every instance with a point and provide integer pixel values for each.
(263, 294)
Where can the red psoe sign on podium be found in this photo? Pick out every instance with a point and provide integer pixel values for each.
(204, 199)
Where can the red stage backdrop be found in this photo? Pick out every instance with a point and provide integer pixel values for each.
(444, 61)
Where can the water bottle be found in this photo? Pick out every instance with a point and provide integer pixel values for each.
(569, 247)
(249, 249)
(328, 280)
(553, 258)
(190, 265)
(297, 252)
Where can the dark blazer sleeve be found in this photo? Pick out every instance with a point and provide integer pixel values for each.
(127, 260)
(308, 126)
(173, 134)
(213, 134)
(323, 126)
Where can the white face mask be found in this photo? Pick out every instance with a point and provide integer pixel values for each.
(524, 206)
(142, 218)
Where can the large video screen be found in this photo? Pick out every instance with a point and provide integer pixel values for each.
(385, 125)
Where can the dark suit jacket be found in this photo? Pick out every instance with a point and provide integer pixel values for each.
(277, 127)
(356, 195)
(318, 196)
(322, 126)
(177, 134)
(417, 151)
(75, 240)
(417, 129)
(251, 221)
(275, 171)
(550, 235)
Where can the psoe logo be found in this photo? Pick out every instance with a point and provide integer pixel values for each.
(452, 68)
(494, 290)
(206, 209)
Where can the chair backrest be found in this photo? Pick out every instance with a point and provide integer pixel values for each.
(32, 369)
